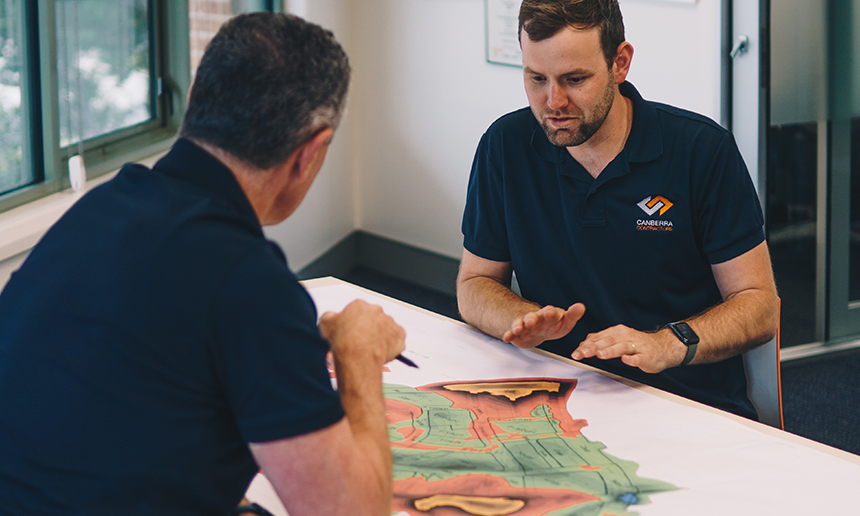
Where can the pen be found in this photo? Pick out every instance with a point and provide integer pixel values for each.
(406, 361)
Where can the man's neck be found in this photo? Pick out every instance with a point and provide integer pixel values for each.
(609, 140)
(255, 183)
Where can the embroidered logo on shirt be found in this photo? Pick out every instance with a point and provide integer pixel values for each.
(651, 205)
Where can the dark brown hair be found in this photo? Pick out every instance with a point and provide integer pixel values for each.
(541, 19)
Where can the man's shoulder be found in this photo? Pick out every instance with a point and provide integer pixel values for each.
(648, 108)
(686, 120)
(520, 120)
(510, 134)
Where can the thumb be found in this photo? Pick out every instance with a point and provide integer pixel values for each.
(575, 311)
(572, 316)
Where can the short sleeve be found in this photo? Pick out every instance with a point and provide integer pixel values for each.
(729, 212)
(269, 352)
(484, 228)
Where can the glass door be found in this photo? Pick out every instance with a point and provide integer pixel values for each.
(812, 166)
(844, 298)
(796, 170)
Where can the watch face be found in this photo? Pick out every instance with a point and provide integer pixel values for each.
(687, 335)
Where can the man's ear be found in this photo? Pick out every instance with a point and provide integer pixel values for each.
(621, 63)
(311, 151)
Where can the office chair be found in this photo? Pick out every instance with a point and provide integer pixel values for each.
(764, 381)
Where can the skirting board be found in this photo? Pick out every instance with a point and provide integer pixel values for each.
(398, 260)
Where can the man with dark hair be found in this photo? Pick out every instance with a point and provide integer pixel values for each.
(642, 213)
(156, 350)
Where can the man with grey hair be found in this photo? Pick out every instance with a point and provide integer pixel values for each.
(156, 350)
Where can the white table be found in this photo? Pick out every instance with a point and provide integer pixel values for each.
(721, 464)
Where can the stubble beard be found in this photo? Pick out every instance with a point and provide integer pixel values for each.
(577, 135)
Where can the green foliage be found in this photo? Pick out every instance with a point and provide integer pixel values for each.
(114, 58)
(11, 171)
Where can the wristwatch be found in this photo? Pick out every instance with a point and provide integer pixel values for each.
(688, 337)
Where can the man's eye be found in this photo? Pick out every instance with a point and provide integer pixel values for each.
(575, 80)
(538, 78)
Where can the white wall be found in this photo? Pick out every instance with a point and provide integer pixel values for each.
(328, 212)
(10, 265)
(676, 56)
(424, 94)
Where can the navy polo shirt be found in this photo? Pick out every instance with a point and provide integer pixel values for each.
(635, 245)
(149, 337)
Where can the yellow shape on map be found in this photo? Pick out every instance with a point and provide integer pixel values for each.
(477, 505)
(511, 390)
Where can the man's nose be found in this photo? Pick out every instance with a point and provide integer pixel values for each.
(557, 98)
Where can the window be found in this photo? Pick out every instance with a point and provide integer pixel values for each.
(105, 68)
(105, 78)
(13, 173)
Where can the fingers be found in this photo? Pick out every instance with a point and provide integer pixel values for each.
(327, 320)
(618, 341)
(635, 348)
(362, 329)
(548, 323)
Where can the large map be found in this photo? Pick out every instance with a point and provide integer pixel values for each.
(472, 436)
(503, 447)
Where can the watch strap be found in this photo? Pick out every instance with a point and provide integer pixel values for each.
(691, 352)
(688, 337)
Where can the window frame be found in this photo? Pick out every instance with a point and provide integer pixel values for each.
(170, 58)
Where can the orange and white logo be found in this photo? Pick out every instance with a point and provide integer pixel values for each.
(652, 205)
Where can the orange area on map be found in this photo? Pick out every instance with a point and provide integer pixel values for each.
(480, 505)
(500, 408)
(411, 492)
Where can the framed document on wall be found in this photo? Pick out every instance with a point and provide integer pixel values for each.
(503, 46)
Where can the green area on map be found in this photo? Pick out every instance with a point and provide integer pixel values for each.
(443, 437)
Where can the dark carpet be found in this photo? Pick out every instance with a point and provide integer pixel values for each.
(821, 400)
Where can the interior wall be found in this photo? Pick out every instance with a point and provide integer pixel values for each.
(676, 56)
(10, 265)
(424, 94)
(328, 212)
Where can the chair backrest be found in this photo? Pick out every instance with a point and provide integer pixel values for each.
(764, 381)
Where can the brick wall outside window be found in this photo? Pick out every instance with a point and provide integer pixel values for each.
(206, 17)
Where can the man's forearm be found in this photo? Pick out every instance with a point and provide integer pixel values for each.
(742, 322)
(360, 388)
(489, 305)
(344, 468)
(487, 302)
(749, 313)
(362, 340)
(738, 324)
